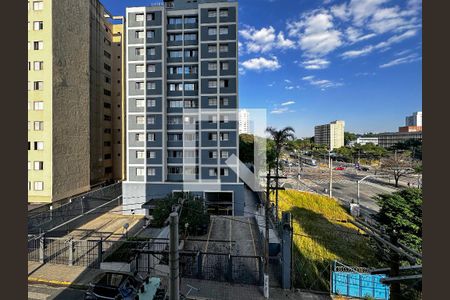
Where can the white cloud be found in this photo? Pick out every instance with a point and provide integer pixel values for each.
(289, 87)
(355, 35)
(340, 11)
(361, 10)
(321, 83)
(356, 53)
(315, 64)
(316, 33)
(387, 19)
(290, 102)
(241, 70)
(261, 63)
(287, 81)
(264, 39)
(402, 60)
(281, 110)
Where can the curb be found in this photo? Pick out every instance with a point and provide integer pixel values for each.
(34, 280)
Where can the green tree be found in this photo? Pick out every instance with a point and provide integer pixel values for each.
(401, 212)
(246, 148)
(348, 137)
(281, 139)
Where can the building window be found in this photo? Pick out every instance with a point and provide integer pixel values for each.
(223, 172)
(151, 85)
(140, 103)
(151, 68)
(190, 53)
(212, 154)
(190, 103)
(139, 51)
(140, 120)
(175, 54)
(176, 103)
(150, 16)
(151, 154)
(212, 84)
(224, 136)
(38, 125)
(224, 101)
(107, 156)
(139, 17)
(106, 92)
(223, 48)
(139, 68)
(212, 31)
(150, 34)
(151, 51)
(212, 66)
(213, 172)
(107, 143)
(106, 118)
(151, 137)
(223, 154)
(175, 87)
(175, 37)
(38, 145)
(140, 137)
(151, 103)
(108, 79)
(190, 70)
(38, 25)
(139, 34)
(38, 185)
(212, 119)
(212, 136)
(151, 120)
(212, 48)
(223, 12)
(224, 83)
(38, 165)
(107, 67)
(140, 154)
(38, 65)
(190, 36)
(140, 172)
(190, 20)
(212, 13)
(212, 101)
(224, 66)
(151, 171)
(139, 86)
(38, 85)
(107, 130)
(175, 170)
(38, 105)
(223, 30)
(175, 21)
(189, 86)
(38, 5)
(38, 45)
(224, 119)
(106, 54)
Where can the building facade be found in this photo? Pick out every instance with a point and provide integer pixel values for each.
(410, 129)
(389, 139)
(244, 126)
(69, 98)
(364, 140)
(331, 135)
(182, 101)
(414, 120)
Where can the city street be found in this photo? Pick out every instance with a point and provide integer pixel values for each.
(44, 292)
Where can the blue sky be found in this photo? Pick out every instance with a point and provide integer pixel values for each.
(309, 62)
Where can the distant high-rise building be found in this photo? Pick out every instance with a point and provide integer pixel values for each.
(331, 135)
(414, 120)
(70, 97)
(244, 126)
(182, 101)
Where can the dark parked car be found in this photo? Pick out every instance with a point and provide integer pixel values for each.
(114, 286)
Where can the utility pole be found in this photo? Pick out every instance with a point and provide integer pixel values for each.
(174, 271)
(266, 246)
(331, 173)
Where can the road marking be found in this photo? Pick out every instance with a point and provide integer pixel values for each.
(37, 296)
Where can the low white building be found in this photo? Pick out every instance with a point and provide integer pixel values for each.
(364, 140)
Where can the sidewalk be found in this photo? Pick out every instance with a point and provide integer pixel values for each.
(60, 275)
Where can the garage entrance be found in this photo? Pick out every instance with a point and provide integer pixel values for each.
(219, 203)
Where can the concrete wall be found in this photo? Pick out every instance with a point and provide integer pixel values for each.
(71, 97)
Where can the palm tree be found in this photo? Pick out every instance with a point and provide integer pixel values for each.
(281, 139)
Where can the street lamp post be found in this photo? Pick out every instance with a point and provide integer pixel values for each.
(330, 163)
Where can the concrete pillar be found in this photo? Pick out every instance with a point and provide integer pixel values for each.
(286, 247)
(42, 249)
(100, 251)
(71, 252)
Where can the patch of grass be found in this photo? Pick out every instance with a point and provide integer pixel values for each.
(322, 235)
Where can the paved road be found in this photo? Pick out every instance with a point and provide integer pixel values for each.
(43, 292)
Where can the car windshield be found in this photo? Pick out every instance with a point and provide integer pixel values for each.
(110, 280)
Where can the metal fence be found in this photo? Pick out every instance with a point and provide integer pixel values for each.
(207, 266)
(74, 207)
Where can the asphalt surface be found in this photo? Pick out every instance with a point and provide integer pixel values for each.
(41, 292)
